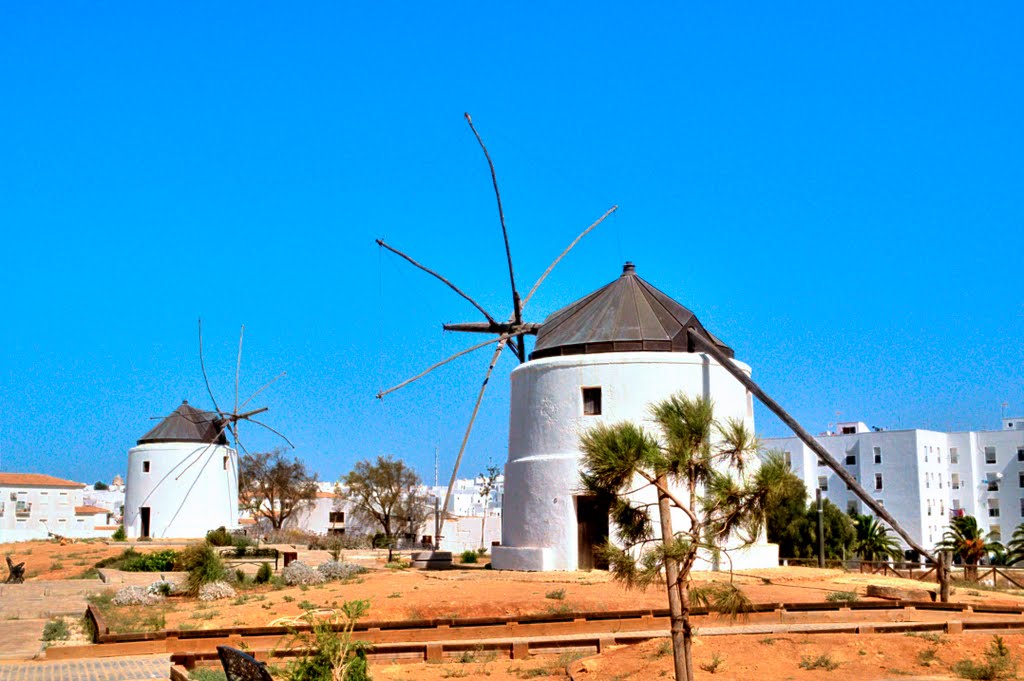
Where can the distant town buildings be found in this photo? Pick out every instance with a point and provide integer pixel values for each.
(922, 477)
(33, 506)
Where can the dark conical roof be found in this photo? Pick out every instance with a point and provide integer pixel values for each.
(187, 424)
(627, 315)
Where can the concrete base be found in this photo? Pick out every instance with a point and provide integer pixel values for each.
(523, 558)
(542, 559)
(432, 560)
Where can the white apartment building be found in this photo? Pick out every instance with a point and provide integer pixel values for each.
(922, 477)
(33, 505)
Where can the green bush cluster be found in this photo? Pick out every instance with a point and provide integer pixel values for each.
(220, 537)
(203, 565)
(159, 561)
(469, 556)
(119, 534)
(264, 574)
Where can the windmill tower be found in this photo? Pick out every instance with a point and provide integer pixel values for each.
(182, 478)
(603, 359)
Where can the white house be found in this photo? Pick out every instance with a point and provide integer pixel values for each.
(923, 477)
(602, 359)
(182, 478)
(33, 505)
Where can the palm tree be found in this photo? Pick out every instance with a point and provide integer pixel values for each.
(873, 541)
(699, 470)
(967, 543)
(1015, 547)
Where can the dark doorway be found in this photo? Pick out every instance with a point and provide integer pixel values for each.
(144, 513)
(592, 531)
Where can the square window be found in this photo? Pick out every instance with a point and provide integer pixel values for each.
(851, 506)
(990, 455)
(878, 481)
(954, 481)
(851, 459)
(1020, 453)
(823, 483)
(145, 466)
(878, 454)
(592, 401)
(993, 511)
(993, 482)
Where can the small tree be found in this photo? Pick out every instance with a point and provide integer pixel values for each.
(839, 530)
(100, 486)
(274, 488)
(873, 541)
(786, 515)
(968, 543)
(385, 492)
(700, 469)
(488, 481)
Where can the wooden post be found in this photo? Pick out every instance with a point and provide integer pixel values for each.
(726, 363)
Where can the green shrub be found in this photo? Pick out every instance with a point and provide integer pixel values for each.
(264, 574)
(469, 556)
(332, 655)
(160, 561)
(823, 661)
(203, 564)
(998, 664)
(557, 595)
(842, 597)
(220, 537)
(56, 630)
(119, 534)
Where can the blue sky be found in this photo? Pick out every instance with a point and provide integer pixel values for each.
(834, 189)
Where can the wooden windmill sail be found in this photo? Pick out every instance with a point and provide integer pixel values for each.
(510, 333)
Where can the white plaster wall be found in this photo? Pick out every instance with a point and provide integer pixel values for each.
(188, 489)
(539, 526)
(917, 473)
(51, 509)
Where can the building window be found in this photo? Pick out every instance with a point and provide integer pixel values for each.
(926, 450)
(878, 454)
(851, 459)
(880, 502)
(954, 481)
(788, 458)
(823, 483)
(1020, 453)
(993, 482)
(225, 463)
(878, 481)
(927, 480)
(821, 462)
(851, 506)
(592, 401)
(1022, 507)
(1020, 480)
(145, 466)
(993, 508)
(849, 430)
(337, 517)
(995, 533)
(956, 505)
(990, 455)
(64, 501)
(954, 455)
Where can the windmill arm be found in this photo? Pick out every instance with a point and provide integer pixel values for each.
(380, 242)
(493, 327)
(851, 482)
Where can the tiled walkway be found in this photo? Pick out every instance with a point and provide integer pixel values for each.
(107, 669)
